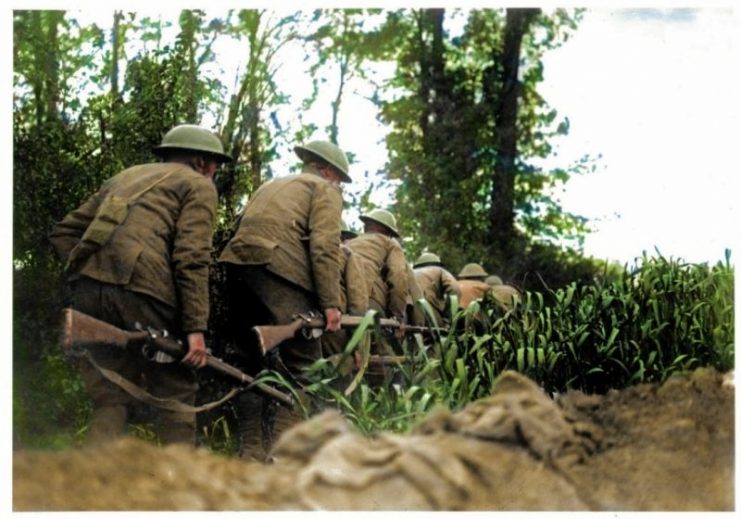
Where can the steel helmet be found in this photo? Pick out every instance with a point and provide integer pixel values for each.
(347, 233)
(383, 217)
(472, 271)
(427, 258)
(193, 138)
(329, 153)
(493, 280)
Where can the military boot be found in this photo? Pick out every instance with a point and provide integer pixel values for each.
(107, 423)
(248, 409)
(177, 428)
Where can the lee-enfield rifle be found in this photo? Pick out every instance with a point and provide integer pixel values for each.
(271, 336)
(82, 331)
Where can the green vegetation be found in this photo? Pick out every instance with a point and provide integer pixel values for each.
(662, 318)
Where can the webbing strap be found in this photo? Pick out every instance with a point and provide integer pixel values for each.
(163, 403)
(150, 186)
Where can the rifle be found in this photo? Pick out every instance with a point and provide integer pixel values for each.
(82, 331)
(270, 336)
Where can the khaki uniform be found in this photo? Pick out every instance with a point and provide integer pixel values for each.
(415, 316)
(436, 284)
(284, 259)
(472, 289)
(386, 273)
(354, 296)
(505, 295)
(153, 270)
(291, 227)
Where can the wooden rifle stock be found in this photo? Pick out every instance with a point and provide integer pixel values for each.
(82, 331)
(271, 336)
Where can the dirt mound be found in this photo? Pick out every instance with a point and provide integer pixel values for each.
(645, 448)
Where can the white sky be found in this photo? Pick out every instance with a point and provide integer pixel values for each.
(657, 96)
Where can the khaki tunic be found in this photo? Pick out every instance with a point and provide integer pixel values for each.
(385, 272)
(472, 289)
(291, 225)
(505, 295)
(354, 291)
(162, 248)
(415, 316)
(436, 283)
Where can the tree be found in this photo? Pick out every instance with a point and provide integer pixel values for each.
(506, 66)
(465, 130)
(249, 128)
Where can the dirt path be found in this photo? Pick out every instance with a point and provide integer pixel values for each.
(645, 448)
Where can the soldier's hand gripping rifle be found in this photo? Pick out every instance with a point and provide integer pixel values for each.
(270, 336)
(82, 331)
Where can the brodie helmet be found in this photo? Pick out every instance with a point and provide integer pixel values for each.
(384, 218)
(193, 138)
(329, 153)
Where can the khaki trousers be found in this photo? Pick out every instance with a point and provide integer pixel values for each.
(124, 309)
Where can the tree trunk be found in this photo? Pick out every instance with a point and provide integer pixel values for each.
(116, 46)
(432, 74)
(333, 129)
(45, 82)
(51, 64)
(188, 28)
(502, 230)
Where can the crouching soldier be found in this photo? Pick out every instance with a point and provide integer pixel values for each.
(436, 284)
(285, 259)
(138, 251)
(503, 295)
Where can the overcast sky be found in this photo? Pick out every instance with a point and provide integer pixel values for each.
(656, 92)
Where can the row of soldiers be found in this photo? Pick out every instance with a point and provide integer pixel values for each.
(139, 251)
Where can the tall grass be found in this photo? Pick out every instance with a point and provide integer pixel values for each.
(662, 317)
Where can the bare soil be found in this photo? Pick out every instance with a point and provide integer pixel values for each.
(646, 448)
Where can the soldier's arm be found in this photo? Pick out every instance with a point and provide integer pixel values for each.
(397, 281)
(68, 232)
(324, 243)
(450, 284)
(357, 291)
(191, 253)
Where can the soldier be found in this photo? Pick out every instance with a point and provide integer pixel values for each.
(353, 296)
(503, 295)
(384, 264)
(414, 315)
(472, 285)
(285, 259)
(436, 284)
(387, 279)
(138, 251)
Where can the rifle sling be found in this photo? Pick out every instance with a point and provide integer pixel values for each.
(167, 404)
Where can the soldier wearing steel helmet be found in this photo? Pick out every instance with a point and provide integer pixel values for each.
(435, 282)
(384, 264)
(502, 294)
(138, 251)
(353, 293)
(471, 282)
(285, 259)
